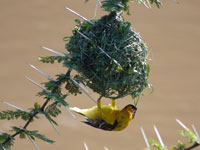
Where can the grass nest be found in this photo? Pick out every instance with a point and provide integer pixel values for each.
(109, 57)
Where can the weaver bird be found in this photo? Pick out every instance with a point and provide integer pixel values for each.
(107, 117)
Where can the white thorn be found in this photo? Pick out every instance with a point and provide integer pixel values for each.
(182, 125)
(148, 3)
(85, 145)
(84, 36)
(70, 112)
(50, 78)
(104, 52)
(79, 85)
(144, 3)
(52, 124)
(161, 2)
(33, 142)
(195, 131)
(3, 148)
(99, 2)
(14, 106)
(2, 131)
(97, 46)
(145, 138)
(78, 15)
(159, 137)
(105, 148)
(83, 89)
(120, 5)
(36, 84)
(137, 34)
(95, 10)
(53, 51)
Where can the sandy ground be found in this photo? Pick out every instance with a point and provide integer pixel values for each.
(171, 32)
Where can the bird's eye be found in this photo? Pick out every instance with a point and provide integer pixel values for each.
(131, 109)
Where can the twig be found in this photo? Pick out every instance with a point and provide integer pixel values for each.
(193, 146)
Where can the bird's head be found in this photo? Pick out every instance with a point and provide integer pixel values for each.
(131, 108)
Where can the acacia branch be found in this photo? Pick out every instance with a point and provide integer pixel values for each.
(54, 90)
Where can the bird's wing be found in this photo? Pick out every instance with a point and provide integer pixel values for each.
(100, 124)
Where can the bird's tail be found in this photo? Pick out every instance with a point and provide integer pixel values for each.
(78, 110)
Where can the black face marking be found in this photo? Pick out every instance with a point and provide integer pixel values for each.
(100, 124)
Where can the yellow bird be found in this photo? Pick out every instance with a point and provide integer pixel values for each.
(107, 117)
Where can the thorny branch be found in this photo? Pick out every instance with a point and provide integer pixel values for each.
(58, 83)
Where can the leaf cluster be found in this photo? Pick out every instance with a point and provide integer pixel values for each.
(116, 5)
(7, 146)
(51, 59)
(123, 5)
(192, 138)
(179, 146)
(157, 2)
(9, 115)
(156, 145)
(32, 134)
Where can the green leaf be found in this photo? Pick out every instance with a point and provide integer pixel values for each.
(35, 134)
(157, 2)
(48, 117)
(189, 135)
(179, 146)
(156, 145)
(51, 59)
(53, 110)
(37, 106)
(3, 138)
(22, 135)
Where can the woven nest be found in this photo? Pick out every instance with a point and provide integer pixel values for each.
(109, 56)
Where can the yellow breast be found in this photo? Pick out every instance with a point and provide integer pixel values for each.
(124, 118)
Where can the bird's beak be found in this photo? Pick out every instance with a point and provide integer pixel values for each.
(134, 112)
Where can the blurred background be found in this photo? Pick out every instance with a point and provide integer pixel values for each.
(171, 32)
